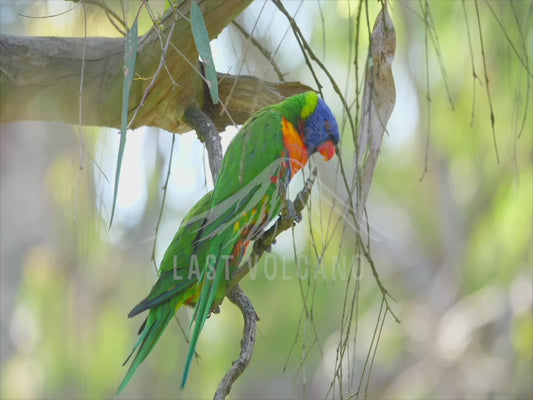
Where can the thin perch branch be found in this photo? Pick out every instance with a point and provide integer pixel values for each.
(237, 297)
(208, 134)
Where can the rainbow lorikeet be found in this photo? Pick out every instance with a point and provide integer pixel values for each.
(270, 148)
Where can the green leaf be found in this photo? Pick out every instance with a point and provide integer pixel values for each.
(201, 38)
(130, 55)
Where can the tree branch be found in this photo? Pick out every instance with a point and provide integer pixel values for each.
(208, 134)
(244, 95)
(38, 74)
(38, 77)
(237, 297)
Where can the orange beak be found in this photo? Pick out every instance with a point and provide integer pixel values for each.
(327, 149)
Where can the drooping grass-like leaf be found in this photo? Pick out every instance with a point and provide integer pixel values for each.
(130, 56)
(201, 38)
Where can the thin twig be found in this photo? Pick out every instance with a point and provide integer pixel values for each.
(108, 10)
(430, 25)
(158, 28)
(80, 111)
(112, 22)
(487, 87)
(308, 51)
(267, 54)
(49, 16)
(245, 52)
(509, 40)
(111, 16)
(472, 63)
(82, 76)
(428, 96)
(363, 248)
(528, 88)
(165, 187)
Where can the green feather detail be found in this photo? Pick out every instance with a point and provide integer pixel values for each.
(201, 313)
(297, 108)
(311, 101)
(168, 293)
(157, 321)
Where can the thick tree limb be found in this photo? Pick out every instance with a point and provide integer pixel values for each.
(40, 74)
(244, 95)
(40, 77)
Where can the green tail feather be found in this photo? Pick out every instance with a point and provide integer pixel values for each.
(202, 310)
(155, 324)
(153, 301)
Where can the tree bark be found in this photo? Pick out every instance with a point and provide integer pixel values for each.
(40, 77)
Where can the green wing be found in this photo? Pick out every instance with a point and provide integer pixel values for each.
(245, 199)
(175, 274)
(174, 286)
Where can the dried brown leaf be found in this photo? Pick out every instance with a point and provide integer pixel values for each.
(379, 97)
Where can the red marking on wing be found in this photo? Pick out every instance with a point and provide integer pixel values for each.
(248, 226)
(238, 250)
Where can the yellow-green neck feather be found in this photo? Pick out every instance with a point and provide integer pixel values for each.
(310, 103)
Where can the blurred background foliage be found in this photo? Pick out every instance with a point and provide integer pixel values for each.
(453, 245)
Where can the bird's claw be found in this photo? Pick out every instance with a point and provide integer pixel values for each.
(292, 213)
(267, 247)
(214, 310)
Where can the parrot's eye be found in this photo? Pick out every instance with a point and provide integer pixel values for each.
(329, 130)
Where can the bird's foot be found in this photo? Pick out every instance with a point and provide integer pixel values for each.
(291, 212)
(261, 245)
(214, 310)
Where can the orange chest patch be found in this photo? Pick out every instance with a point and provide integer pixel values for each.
(295, 146)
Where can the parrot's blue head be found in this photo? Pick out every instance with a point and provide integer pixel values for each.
(321, 132)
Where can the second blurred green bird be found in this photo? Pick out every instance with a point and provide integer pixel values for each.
(270, 148)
